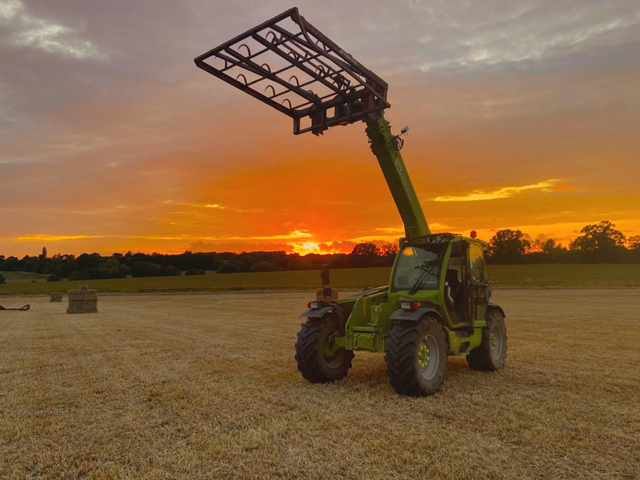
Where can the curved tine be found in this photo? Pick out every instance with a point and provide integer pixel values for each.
(266, 65)
(275, 38)
(272, 89)
(320, 69)
(297, 81)
(295, 54)
(287, 100)
(323, 45)
(341, 82)
(242, 75)
(247, 47)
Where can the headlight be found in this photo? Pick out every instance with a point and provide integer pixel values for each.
(313, 305)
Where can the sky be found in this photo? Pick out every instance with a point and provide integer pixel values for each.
(523, 115)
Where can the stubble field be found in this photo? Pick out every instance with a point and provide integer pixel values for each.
(205, 386)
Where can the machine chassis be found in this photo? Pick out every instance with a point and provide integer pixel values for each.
(369, 316)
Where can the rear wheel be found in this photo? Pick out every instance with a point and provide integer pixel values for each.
(416, 357)
(491, 354)
(318, 359)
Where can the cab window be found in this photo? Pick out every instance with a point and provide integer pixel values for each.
(477, 267)
(418, 265)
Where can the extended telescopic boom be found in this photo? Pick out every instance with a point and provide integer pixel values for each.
(291, 66)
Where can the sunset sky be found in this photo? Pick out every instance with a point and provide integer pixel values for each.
(523, 114)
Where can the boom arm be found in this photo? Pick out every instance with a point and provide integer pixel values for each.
(384, 147)
(291, 66)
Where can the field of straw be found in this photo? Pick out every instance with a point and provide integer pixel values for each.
(205, 386)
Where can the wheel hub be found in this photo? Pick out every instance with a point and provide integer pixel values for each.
(423, 355)
(428, 357)
(329, 347)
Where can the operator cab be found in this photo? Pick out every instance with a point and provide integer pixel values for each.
(423, 262)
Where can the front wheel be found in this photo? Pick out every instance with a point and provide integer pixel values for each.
(318, 359)
(416, 357)
(491, 354)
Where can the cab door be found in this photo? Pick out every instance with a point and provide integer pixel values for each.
(478, 282)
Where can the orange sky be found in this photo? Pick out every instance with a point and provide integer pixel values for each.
(523, 115)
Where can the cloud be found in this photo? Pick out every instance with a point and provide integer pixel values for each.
(289, 236)
(505, 192)
(399, 230)
(476, 36)
(53, 238)
(43, 34)
(213, 206)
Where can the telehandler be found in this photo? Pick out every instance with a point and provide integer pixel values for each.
(438, 299)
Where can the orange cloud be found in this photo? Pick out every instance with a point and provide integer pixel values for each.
(53, 238)
(505, 192)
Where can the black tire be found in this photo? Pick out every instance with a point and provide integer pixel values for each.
(491, 354)
(313, 363)
(407, 346)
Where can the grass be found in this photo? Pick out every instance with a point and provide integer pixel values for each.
(509, 276)
(23, 277)
(205, 386)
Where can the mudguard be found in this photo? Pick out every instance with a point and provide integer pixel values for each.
(414, 315)
(493, 306)
(317, 312)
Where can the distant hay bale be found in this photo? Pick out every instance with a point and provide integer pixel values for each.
(56, 297)
(83, 300)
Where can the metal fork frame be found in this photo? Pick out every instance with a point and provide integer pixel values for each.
(355, 91)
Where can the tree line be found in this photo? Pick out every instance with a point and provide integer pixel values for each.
(95, 266)
(601, 242)
(597, 243)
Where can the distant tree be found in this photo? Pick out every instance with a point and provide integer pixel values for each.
(365, 250)
(550, 246)
(44, 253)
(171, 271)
(262, 266)
(54, 278)
(146, 269)
(364, 255)
(111, 269)
(389, 250)
(633, 243)
(230, 266)
(10, 264)
(509, 246)
(600, 242)
(30, 264)
(2, 279)
(74, 275)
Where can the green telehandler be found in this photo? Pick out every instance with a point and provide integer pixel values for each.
(438, 300)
